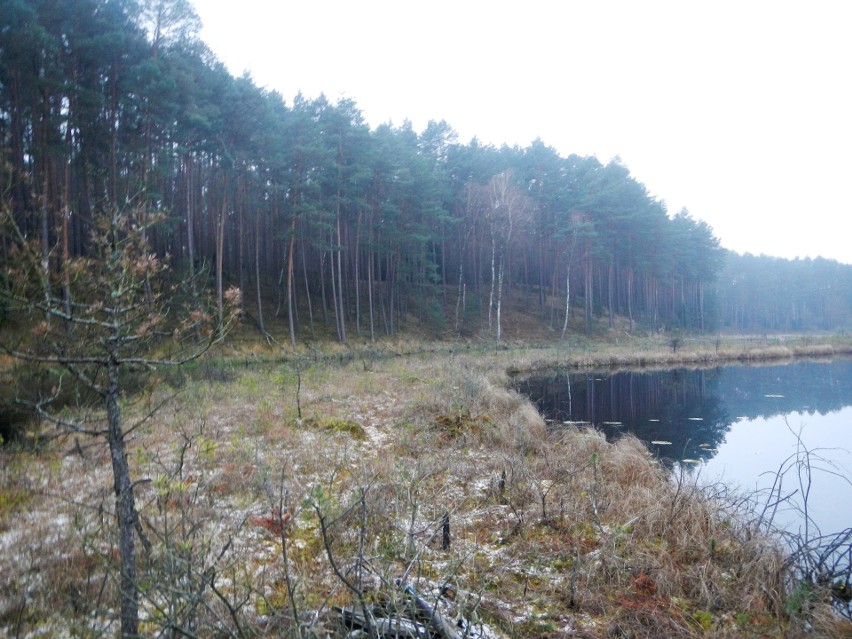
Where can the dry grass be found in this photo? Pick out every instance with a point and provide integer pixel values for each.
(553, 534)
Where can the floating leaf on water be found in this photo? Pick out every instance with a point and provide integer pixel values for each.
(660, 442)
(695, 419)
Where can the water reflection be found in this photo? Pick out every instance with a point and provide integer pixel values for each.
(756, 449)
(782, 434)
(686, 414)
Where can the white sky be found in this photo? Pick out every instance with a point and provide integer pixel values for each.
(740, 111)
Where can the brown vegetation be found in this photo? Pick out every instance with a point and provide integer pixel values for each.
(258, 517)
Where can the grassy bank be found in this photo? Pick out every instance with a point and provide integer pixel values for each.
(610, 350)
(278, 485)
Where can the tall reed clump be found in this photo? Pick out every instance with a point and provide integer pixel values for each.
(693, 542)
(474, 388)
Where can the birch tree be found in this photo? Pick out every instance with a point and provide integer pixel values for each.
(508, 208)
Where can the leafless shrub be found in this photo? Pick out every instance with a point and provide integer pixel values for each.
(819, 565)
(192, 583)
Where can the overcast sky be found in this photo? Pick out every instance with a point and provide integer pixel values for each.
(740, 111)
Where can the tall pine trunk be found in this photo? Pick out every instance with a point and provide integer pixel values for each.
(291, 322)
(500, 296)
(307, 289)
(341, 319)
(357, 260)
(257, 277)
(588, 290)
(370, 279)
(220, 258)
(493, 283)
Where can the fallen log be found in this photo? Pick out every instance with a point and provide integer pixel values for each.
(432, 614)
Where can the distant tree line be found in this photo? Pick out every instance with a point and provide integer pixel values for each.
(323, 222)
(771, 294)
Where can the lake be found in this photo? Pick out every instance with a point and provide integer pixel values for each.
(737, 424)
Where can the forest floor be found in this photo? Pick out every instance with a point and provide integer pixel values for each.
(276, 485)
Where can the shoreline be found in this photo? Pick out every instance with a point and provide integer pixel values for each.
(550, 535)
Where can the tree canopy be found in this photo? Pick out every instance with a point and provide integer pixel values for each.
(319, 219)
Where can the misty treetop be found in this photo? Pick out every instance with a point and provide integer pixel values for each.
(770, 294)
(108, 105)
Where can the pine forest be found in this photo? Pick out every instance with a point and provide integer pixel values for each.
(334, 228)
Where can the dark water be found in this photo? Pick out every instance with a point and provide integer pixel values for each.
(739, 424)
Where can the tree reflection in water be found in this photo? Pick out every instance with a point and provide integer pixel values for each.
(690, 410)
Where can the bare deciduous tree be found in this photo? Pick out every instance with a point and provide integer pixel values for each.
(508, 209)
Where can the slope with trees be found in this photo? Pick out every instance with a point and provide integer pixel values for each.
(333, 227)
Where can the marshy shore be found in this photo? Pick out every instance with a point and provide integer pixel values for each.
(276, 487)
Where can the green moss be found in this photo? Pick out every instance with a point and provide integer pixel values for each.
(562, 564)
(800, 599)
(15, 494)
(703, 618)
(13, 498)
(536, 627)
(339, 425)
(742, 619)
(277, 601)
(346, 426)
(462, 423)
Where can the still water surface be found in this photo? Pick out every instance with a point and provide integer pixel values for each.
(738, 424)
